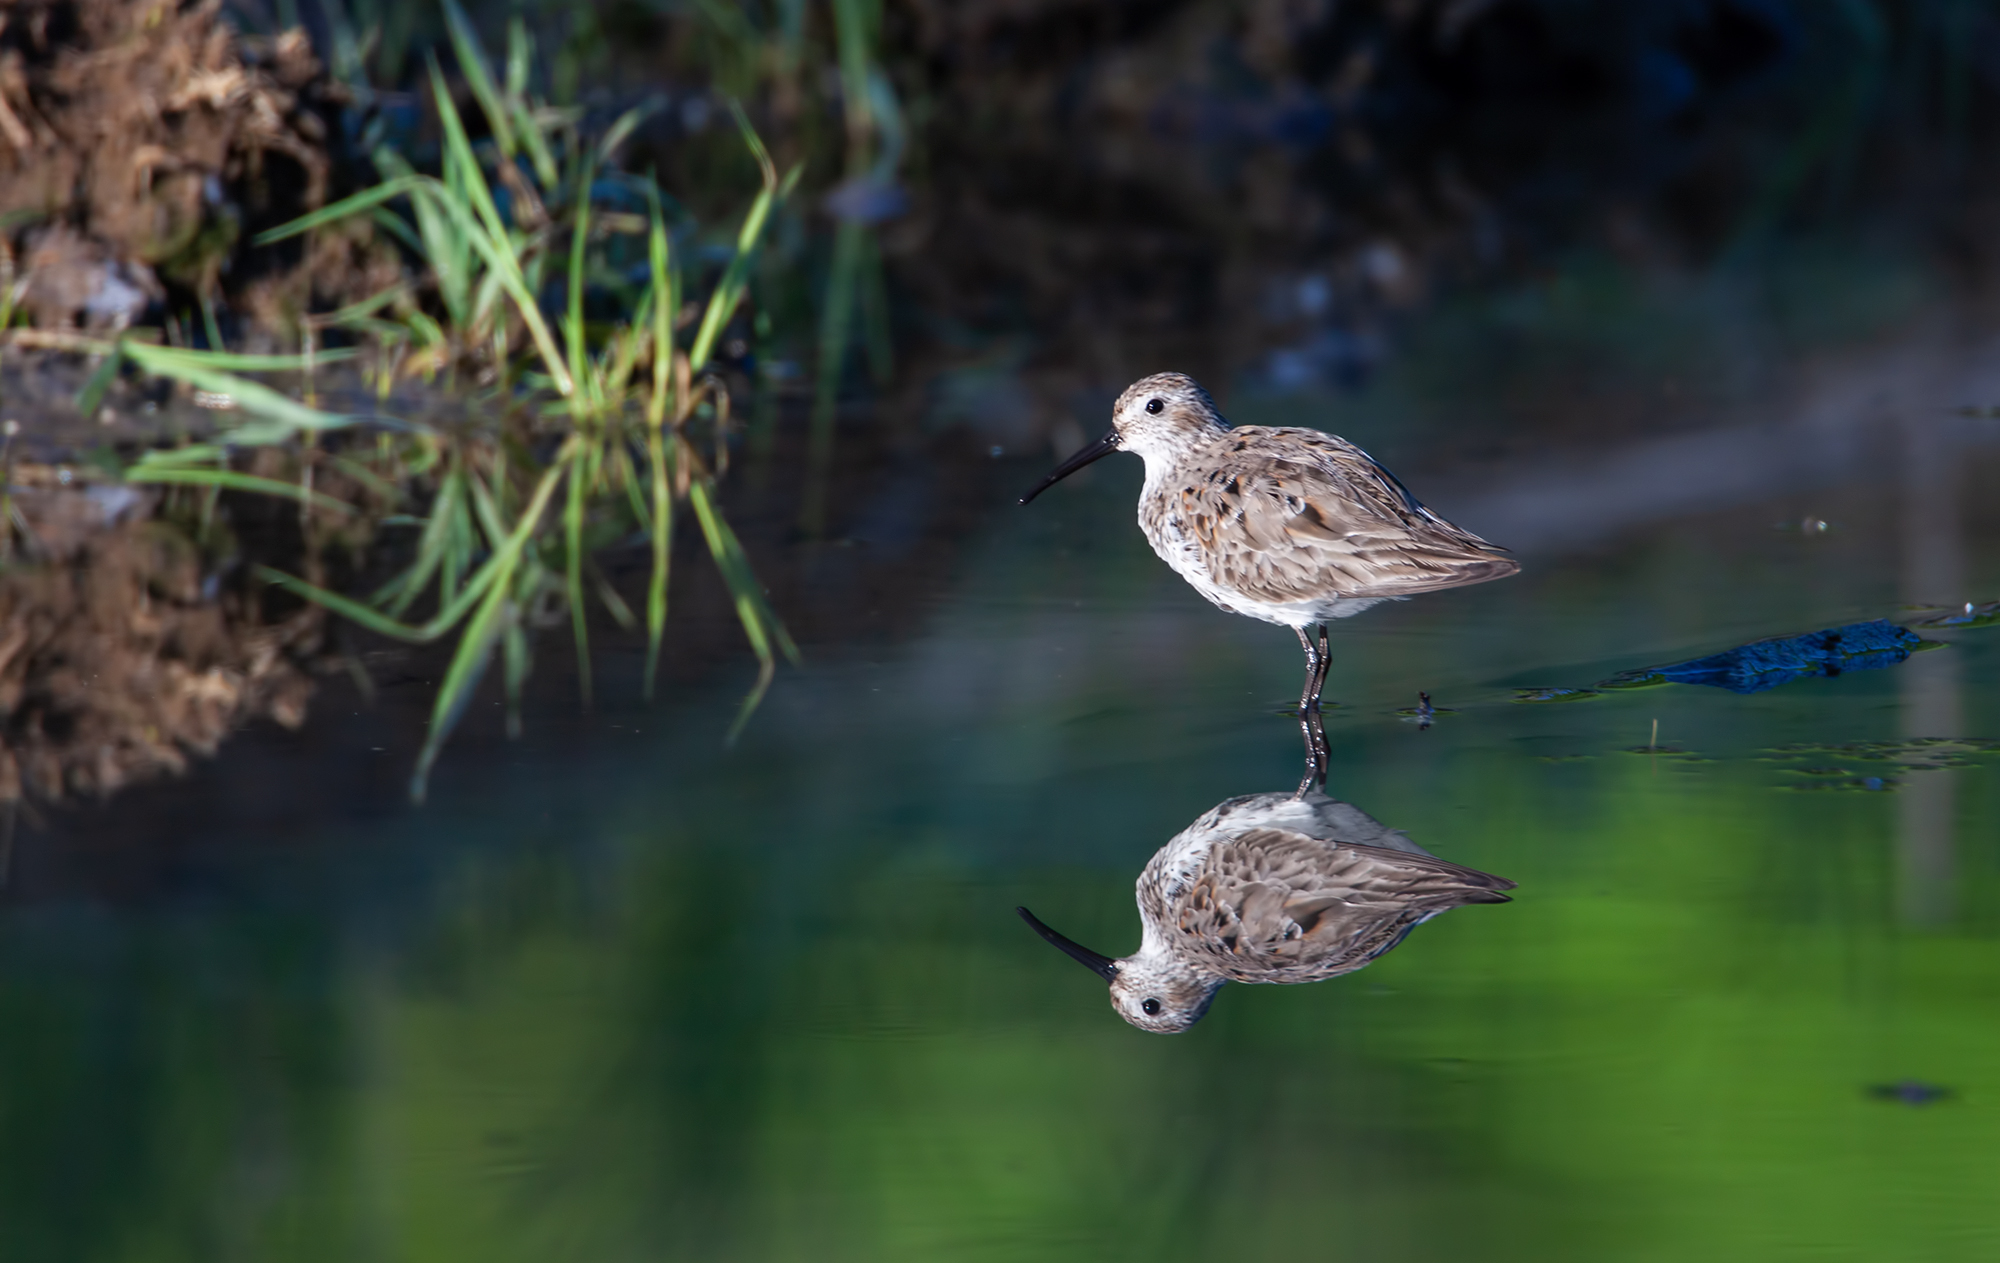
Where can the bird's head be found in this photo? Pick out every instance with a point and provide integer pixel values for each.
(1148, 989)
(1162, 996)
(1158, 417)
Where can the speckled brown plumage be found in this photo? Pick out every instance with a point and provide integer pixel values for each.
(1280, 888)
(1271, 905)
(1285, 523)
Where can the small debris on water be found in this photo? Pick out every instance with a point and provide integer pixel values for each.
(214, 400)
(1424, 713)
(1969, 615)
(1822, 767)
(1553, 695)
(1911, 1092)
(1853, 784)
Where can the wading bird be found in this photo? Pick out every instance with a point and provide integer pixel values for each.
(1287, 525)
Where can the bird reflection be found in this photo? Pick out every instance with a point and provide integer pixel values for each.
(1281, 887)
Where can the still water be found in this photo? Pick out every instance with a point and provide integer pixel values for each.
(619, 992)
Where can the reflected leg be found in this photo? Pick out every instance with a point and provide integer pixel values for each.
(1316, 757)
(1319, 674)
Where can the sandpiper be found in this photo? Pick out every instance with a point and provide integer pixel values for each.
(1272, 888)
(1284, 524)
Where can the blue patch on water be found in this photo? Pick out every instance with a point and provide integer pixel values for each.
(1766, 664)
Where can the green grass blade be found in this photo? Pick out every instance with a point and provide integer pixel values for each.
(382, 488)
(663, 553)
(573, 550)
(461, 544)
(760, 626)
(627, 480)
(255, 398)
(461, 679)
(472, 64)
(520, 53)
(836, 322)
(458, 149)
(633, 337)
(229, 479)
(755, 144)
(615, 135)
(503, 261)
(366, 307)
(193, 454)
(476, 645)
(666, 303)
(609, 596)
(395, 225)
(519, 662)
(390, 189)
(351, 610)
(454, 609)
(579, 245)
(729, 290)
(536, 142)
(436, 239)
(480, 222)
(234, 361)
(398, 593)
(487, 513)
(91, 397)
(491, 288)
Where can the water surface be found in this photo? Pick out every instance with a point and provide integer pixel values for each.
(621, 992)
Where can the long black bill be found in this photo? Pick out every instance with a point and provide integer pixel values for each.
(1103, 966)
(1094, 451)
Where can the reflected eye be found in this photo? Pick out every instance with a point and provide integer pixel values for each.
(1151, 1007)
(1154, 405)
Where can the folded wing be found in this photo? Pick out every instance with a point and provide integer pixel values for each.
(1294, 515)
(1276, 906)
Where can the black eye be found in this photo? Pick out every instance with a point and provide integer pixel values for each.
(1154, 405)
(1151, 1007)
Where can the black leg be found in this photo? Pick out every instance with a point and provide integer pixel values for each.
(1319, 675)
(1315, 673)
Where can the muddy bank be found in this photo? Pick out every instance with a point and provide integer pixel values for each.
(125, 651)
(142, 143)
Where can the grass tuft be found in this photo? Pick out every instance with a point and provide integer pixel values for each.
(631, 422)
